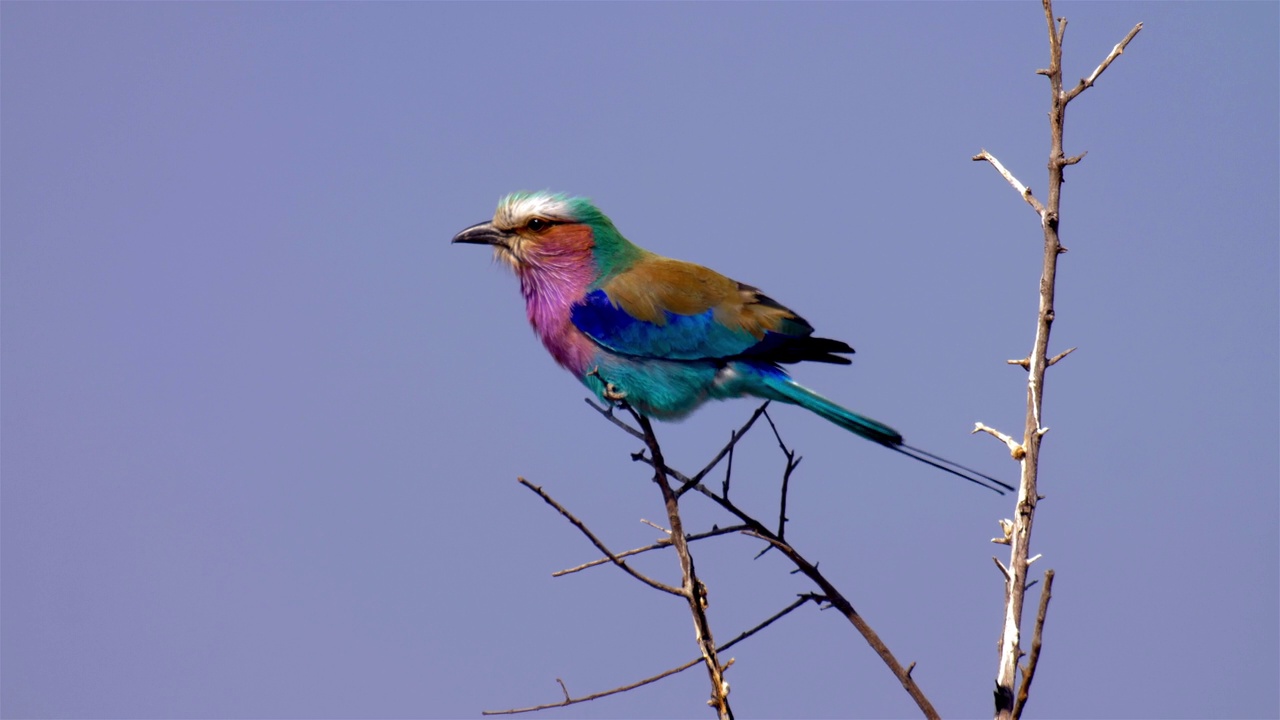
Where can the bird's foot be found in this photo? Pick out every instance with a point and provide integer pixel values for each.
(614, 394)
(611, 393)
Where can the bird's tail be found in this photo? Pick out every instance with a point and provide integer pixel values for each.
(787, 390)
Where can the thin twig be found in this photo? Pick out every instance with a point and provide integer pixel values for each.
(808, 597)
(1022, 190)
(839, 602)
(655, 526)
(1030, 672)
(664, 543)
(1116, 52)
(792, 463)
(607, 413)
(728, 471)
(596, 541)
(727, 450)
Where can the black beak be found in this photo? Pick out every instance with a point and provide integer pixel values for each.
(482, 234)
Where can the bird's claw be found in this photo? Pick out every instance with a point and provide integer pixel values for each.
(611, 393)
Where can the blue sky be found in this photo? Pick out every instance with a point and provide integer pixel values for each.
(262, 423)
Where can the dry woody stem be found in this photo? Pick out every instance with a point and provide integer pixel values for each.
(692, 590)
(1008, 703)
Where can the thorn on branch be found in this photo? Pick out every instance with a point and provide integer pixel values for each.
(1025, 363)
(1000, 565)
(655, 526)
(1054, 360)
(564, 689)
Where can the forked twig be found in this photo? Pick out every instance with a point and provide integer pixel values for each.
(1033, 658)
(664, 543)
(616, 560)
(808, 597)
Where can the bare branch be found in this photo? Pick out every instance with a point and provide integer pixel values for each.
(655, 526)
(728, 474)
(596, 541)
(839, 602)
(808, 597)
(1016, 451)
(1029, 673)
(829, 591)
(664, 543)
(607, 413)
(1023, 190)
(1018, 531)
(734, 437)
(792, 463)
(596, 696)
(692, 588)
(1116, 52)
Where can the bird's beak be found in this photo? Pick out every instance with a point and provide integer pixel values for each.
(482, 234)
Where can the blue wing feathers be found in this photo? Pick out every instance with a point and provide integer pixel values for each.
(682, 337)
(697, 337)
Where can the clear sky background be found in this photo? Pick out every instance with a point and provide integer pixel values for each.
(262, 423)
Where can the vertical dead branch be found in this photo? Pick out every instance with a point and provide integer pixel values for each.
(1018, 534)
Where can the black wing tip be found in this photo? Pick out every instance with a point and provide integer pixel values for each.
(793, 349)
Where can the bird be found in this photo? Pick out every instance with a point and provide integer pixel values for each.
(662, 335)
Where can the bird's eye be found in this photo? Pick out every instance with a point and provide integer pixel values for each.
(538, 224)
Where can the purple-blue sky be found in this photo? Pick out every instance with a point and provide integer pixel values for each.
(262, 423)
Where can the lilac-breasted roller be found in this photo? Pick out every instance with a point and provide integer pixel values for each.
(664, 335)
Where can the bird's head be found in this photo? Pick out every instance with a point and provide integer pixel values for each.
(544, 231)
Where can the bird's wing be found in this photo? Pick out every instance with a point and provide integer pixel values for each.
(673, 310)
